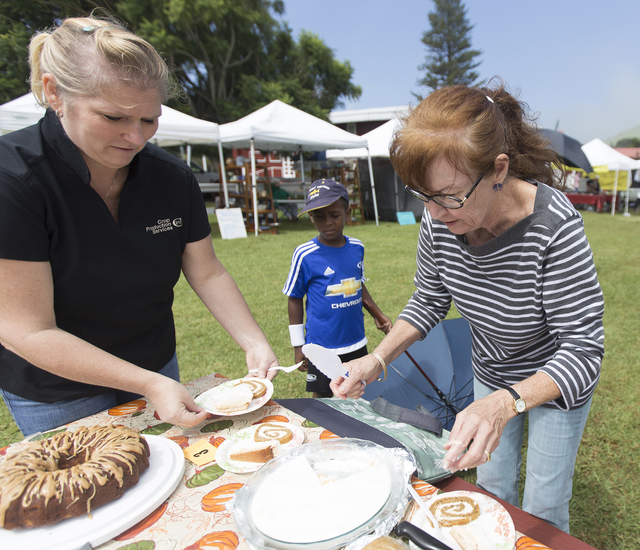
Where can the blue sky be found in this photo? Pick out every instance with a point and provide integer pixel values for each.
(575, 62)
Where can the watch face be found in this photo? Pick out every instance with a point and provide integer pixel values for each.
(520, 406)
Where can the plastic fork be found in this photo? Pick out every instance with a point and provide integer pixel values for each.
(285, 369)
(435, 530)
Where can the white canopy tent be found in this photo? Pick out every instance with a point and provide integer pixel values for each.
(378, 141)
(281, 127)
(600, 154)
(19, 113)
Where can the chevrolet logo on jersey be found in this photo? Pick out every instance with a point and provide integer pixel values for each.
(347, 287)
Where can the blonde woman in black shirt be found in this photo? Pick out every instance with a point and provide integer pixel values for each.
(96, 226)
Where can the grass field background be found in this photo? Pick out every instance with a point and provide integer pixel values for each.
(605, 509)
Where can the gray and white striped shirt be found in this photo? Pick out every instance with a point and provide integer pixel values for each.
(531, 296)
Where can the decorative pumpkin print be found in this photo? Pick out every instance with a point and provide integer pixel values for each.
(422, 487)
(326, 434)
(527, 543)
(157, 429)
(204, 476)
(142, 545)
(181, 440)
(216, 426)
(273, 418)
(216, 500)
(218, 540)
(128, 408)
(216, 440)
(144, 524)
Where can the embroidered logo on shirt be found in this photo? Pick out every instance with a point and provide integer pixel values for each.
(165, 225)
(328, 272)
(347, 287)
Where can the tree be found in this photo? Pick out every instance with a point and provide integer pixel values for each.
(19, 21)
(628, 142)
(231, 56)
(450, 59)
(304, 74)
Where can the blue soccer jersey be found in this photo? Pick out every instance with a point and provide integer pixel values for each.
(331, 278)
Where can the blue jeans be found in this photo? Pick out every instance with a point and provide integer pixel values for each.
(34, 416)
(554, 438)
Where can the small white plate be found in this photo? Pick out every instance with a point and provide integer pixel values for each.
(242, 437)
(494, 520)
(207, 399)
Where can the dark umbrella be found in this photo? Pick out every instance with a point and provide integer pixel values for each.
(445, 354)
(568, 148)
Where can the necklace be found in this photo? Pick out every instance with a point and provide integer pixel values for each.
(112, 184)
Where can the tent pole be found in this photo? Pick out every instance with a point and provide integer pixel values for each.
(395, 187)
(223, 173)
(615, 192)
(626, 206)
(373, 186)
(253, 185)
(301, 167)
(188, 155)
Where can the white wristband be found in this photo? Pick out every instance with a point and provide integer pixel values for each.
(296, 332)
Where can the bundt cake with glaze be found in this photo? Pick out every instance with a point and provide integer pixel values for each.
(69, 474)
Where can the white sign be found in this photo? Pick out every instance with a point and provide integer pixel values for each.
(231, 223)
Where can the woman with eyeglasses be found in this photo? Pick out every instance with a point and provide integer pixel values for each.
(507, 247)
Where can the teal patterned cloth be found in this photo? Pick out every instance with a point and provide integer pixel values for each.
(426, 447)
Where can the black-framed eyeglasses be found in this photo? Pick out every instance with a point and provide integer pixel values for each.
(446, 201)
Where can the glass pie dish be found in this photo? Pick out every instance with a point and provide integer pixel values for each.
(317, 482)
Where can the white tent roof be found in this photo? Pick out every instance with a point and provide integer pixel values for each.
(174, 127)
(378, 139)
(600, 154)
(281, 127)
(368, 115)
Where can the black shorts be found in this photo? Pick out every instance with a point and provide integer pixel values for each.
(318, 382)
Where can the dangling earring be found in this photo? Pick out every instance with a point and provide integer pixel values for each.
(497, 187)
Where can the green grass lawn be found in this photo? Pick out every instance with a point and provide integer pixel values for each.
(605, 510)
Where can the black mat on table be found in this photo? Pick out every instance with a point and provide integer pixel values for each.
(337, 422)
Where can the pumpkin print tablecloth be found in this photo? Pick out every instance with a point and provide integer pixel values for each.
(195, 516)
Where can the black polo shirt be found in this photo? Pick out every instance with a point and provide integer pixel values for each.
(113, 283)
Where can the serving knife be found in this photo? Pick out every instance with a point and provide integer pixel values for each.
(419, 537)
(327, 362)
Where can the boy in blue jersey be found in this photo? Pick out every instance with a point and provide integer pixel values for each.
(329, 270)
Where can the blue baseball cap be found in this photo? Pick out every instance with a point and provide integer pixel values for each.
(323, 193)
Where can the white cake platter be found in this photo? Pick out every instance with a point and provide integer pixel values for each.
(166, 467)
